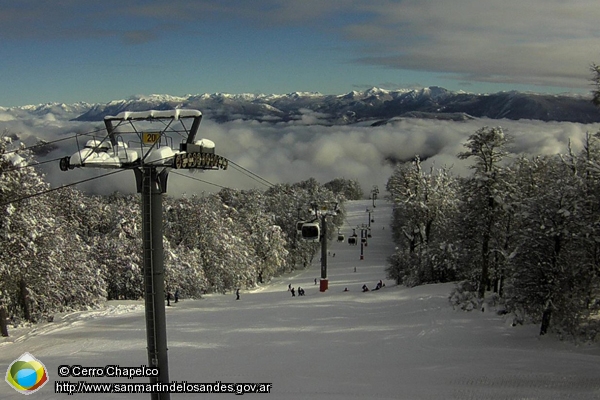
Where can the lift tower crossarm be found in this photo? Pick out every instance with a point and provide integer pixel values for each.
(175, 115)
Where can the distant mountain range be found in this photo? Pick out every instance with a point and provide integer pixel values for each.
(376, 106)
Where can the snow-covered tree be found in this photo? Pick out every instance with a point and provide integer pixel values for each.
(348, 188)
(202, 224)
(424, 209)
(31, 245)
(183, 271)
(596, 81)
(289, 205)
(484, 205)
(550, 270)
(119, 250)
(261, 235)
(81, 280)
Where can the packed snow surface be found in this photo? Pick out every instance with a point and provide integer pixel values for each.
(393, 343)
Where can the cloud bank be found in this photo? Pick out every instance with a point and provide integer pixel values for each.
(293, 152)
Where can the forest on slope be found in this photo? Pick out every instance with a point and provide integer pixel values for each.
(522, 232)
(62, 249)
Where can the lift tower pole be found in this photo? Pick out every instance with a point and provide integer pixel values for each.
(153, 185)
(364, 229)
(321, 214)
(374, 194)
(324, 282)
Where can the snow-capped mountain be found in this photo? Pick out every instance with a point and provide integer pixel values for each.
(377, 105)
(372, 104)
(47, 111)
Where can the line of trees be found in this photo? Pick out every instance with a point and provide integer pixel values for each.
(66, 250)
(526, 230)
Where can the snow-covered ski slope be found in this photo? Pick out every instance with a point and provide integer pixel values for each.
(395, 343)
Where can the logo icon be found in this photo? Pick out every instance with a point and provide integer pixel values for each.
(26, 374)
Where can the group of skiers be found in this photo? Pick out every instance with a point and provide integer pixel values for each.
(170, 297)
(293, 290)
(379, 285)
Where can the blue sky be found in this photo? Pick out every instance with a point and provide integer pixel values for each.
(73, 50)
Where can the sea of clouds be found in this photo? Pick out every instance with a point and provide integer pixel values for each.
(296, 151)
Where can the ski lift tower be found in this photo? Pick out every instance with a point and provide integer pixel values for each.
(312, 232)
(374, 194)
(364, 233)
(142, 141)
